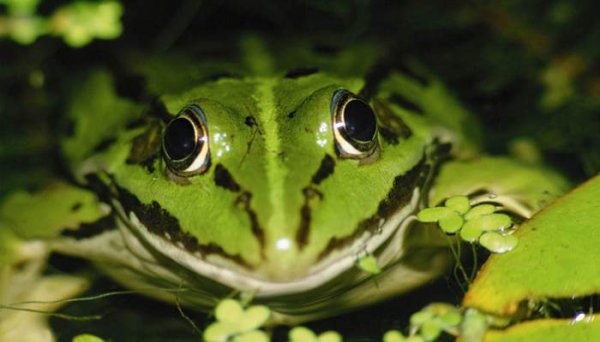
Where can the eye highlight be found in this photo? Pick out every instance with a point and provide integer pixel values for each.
(354, 125)
(185, 142)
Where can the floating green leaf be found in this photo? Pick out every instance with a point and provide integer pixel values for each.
(482, 209)
(470, 232)
(458, 203)
(434, 214)
(451, 224)
(552, 239)
(490, 222)
(498, 243)
(87, 338)
(368, 263)
(304, 334)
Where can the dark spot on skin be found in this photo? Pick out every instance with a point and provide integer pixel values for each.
(291, 115)
(373, 79)
(392, 127)
(158, 110)
(160, 222)
(409, 71)
(398, 197)
(405, 103)
(325, 169)
(250, 121)
(310, 196)
(89, 230)
(402, 190)
(389, 136)
(145, 148)
(137, 123)
(76, 206)
(224, 179)
(104, 144)
(243, 202)
(301, 72)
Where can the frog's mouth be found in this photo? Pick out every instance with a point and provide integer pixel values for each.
(387, 242)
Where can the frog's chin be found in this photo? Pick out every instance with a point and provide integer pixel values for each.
(388, 244)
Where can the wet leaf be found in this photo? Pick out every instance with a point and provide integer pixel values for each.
(498, 243)
(549, 330)
(551, 239)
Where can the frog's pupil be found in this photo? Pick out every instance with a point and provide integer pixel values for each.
(359, 120)
(179, 139)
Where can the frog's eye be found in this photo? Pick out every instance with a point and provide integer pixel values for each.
(354, 125)
(185, 142)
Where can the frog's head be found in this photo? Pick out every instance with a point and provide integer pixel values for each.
(276, 180)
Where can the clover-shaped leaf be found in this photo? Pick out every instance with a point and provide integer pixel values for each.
(435, 318)
(491, 222)
(234, 321)
(457, 216)
(451, 224)
(434, 214)
(482, 209)
(304, 334)
(458, 203)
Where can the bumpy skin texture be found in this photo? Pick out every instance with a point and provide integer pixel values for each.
(279, 213)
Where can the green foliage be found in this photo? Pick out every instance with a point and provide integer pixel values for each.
(78, 23)
(304, 334)
(87, 338)
(473, 224)
(237, 323)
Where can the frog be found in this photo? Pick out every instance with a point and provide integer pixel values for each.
(269, 176)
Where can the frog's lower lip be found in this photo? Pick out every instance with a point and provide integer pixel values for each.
(386, 245)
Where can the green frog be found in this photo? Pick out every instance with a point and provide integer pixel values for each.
(270, 176)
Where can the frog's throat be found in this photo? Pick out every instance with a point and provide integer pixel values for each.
(386, 243)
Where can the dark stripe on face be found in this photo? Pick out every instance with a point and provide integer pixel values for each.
(311, 194)
(89, 230)
(373, 79)
(243, 201)
(405, 103)
(145, 148)
(392, 128)
(325, 169)
(160, 222)
(398, 197)
(224, 179)
(410, 71)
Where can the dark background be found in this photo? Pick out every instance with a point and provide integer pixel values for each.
(528, 69)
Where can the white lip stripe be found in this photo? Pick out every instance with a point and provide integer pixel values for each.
(323, 272)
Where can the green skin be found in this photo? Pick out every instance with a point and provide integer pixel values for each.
(290, 217)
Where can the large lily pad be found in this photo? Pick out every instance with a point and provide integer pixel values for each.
(557, 257)
(540, 330)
